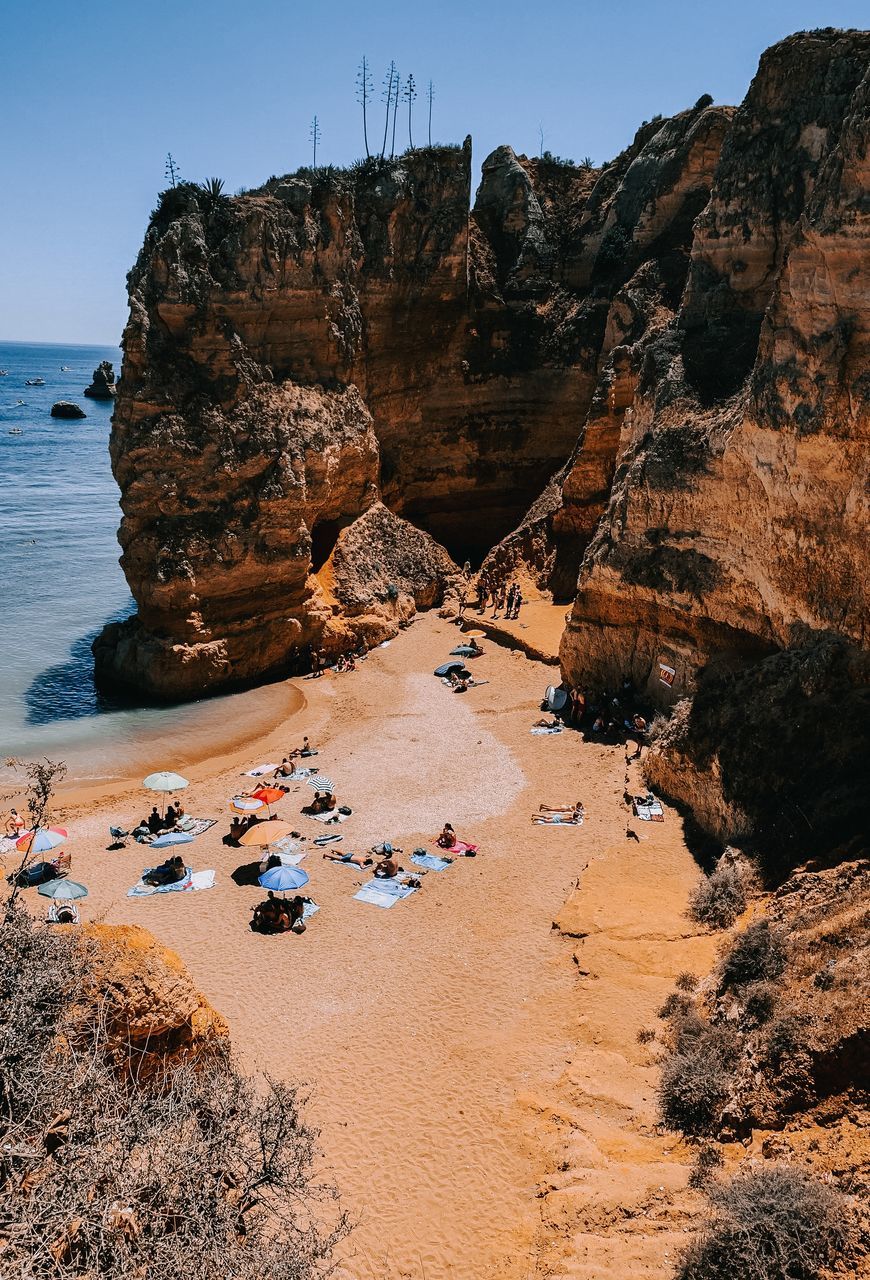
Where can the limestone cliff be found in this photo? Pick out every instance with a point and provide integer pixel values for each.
(736, 523)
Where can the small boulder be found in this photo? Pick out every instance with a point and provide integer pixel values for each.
(66, 409)
(103, 385)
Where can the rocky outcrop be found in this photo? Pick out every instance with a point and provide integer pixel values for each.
(736, 523)
(103, 382)
(150, 1011)
(67, 409)
(630, 247)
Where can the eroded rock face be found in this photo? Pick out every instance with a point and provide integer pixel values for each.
(103, 385)
(150, 1009)
(736, 523)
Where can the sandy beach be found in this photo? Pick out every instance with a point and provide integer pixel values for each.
(452, 1042)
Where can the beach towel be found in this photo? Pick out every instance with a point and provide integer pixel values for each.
(260, 769)
(334, 815)
(292, 859)
(555, 820)
(385, 893)
(310, 909)
(7, 844)
(321, 840)
(541, 729)
(430, 862)
(195, 826)
(192, 881)
(460, 848)
(648, 809)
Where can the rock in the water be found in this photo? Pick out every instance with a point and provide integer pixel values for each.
(103, 384)
(67, 409)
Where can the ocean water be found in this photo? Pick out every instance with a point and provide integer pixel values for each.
(61, 582)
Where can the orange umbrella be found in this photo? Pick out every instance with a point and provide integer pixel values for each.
(269, 795)
(266, 832)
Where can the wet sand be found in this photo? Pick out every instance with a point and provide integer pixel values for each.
(438, 1037)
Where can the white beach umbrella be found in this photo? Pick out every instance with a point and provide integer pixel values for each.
(165, 781)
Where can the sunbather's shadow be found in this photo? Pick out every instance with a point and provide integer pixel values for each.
(247, 874)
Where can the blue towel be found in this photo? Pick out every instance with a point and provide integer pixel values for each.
(310, 909)
(430, 862)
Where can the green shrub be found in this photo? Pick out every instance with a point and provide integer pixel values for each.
(759, 1001)
(775, 1223)
(758, 954)
(718, 899)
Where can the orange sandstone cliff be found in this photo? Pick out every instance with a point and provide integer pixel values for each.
(644, 387)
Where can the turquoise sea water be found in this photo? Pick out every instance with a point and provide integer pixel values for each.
(61, 582)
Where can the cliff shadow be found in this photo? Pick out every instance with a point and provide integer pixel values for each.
(67, 690)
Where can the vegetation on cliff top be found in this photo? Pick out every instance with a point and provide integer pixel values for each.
(186, 1169)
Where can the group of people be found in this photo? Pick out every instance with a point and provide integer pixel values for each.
(280, 915)
(287, 767)
(506, 598)
(172, 871)
(608, 714)
(156, 823)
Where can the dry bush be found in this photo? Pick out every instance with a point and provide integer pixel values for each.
(704, 1166)
(686, 982)
(775, 1223)
(718, 899)
(676, 1005)
(645, 1035)
(759, 954)
(195, 1174)
(697, 1075)
(759, 1000)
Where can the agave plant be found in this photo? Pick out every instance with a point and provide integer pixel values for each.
(213, 187)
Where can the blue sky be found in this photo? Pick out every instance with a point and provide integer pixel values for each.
(93, 94)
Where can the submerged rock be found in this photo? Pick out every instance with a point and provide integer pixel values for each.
(67, 409)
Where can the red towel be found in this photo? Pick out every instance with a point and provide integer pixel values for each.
(459, 847)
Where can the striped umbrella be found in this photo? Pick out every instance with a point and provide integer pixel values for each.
(320, 782)
(247, 804)
(43, 840)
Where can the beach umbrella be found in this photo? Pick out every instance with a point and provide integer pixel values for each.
(165, 781)
(42, 840)
(268, 795)
(447, 667)
(321, 782)
(247, 804)
(266, 832)
(475, 635)
(62, 889)
(281, 879)
(171, 837)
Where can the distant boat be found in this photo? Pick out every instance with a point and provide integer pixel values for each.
(15, 431)
(65, 368)
(4, 373)
(18, 402)
(34, 382)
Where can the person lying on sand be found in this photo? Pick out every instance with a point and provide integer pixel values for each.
(358, 859)
(562, 815)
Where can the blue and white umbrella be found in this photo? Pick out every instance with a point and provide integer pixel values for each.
(281, 879)
(171, 837)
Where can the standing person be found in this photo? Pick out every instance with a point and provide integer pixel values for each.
(518, 600)
(463, 600)
(510, 600)
(482, 594)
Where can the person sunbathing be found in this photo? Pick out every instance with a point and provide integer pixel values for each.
(559, 817)
(280, 915)
(562, 808)
(170, 872)
(284, 770)
(357, 859)
(447, 838)
(171, 818)
(323, 802)
(237, 830)
(154, 821)
(387, 868)
(305, 750)
(471, 643)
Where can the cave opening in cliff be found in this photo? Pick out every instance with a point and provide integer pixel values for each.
(324, 536)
